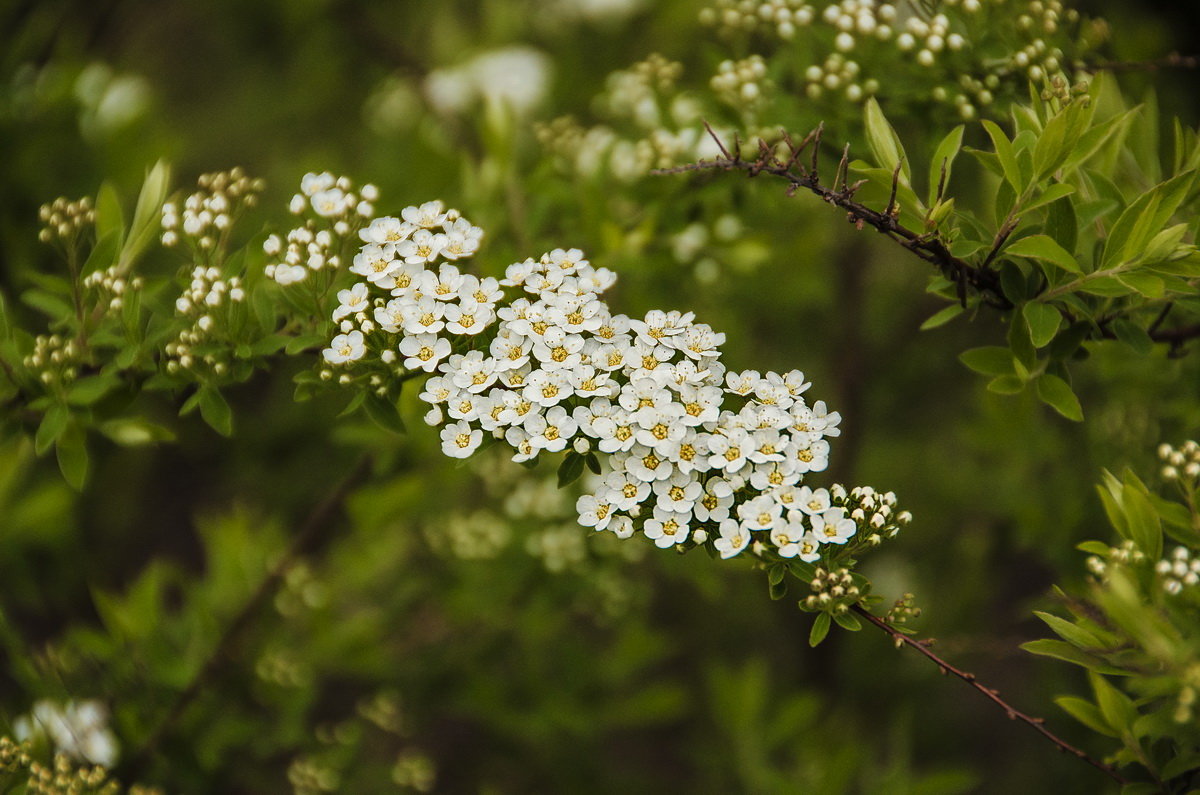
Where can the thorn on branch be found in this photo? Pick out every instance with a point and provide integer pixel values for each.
(816, 136)
(843, 167)
(717, 139)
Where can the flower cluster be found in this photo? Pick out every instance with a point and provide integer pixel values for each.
(65, 221)
(335, 198)
(1178, 571)
(966, 51)
(110, 286)
(1181, 464)
(741, 83)
(77, 729)
(209, 301)
(206, 216)
(55, 359)
(698, 453)
(665, 125)
(517, 77)
(1127, 554)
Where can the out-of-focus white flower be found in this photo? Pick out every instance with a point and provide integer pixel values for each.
(78, 729)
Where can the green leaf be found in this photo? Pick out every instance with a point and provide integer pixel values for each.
(1007, 155)
(883, 142)
(110, 218)
(1054, 193)
(820, 629)
(1062, 224)
(1094, 548)
(146, 213)
(848, 621)
(72, 456)
(1133, 335)
(1061, 650)
(52, 306)
(1006, 385)
(215, 410)
(1179, 765)
(135, 431)
(1057, 394)
(944, 156)
(1070, 632)
(1147, 284)
(384, 413)
(988, 360)
(1143, 219)
(1116, 707)
(1086, 713)
(1044, 249)
(593, 463)
(570, 469)
(942, 317)
(1044, 321)
(53, 423)
(87, 391)
(304, 342)
(1145, 526)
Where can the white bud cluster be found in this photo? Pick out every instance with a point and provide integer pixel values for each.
(303, 250)
(414, 770)
(64, 220)
(782, 17)
(742, 84)
(335, 199)
(206, 216)
(838, 73)
(1127, 554)
(1178, 571)
(636, 93)
(1181, 464)
(560, 548)
(55, 359)
(208, 300)
(111, 286)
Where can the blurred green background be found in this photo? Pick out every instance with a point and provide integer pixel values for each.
(512, 652)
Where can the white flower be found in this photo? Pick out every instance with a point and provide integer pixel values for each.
(424, 351)
(733, 538)
(667, 528)
(813, 502)
(386, 230)
(459, 440)
(427, 216)
(594, 511)
(352, 301)
(833, 527)
(550, 431)
(677, 493)
(345, 348)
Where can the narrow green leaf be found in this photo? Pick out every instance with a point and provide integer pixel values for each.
(1008, 156)
(1061, 650)
(215, 410)
(1145, 526)
(135, 431)
(988, 360)
(1069, 631)
(1062, 224)
(110, 218)
(1094, 548)
(1055, 192)
(87, 391)
(1043, 320)
(945, 154)
(71, 449)
(1086, 713)
(1133, 335)
(1116, 707)
(52, 306)
(942, 317)
(1006, 385)
(820, 629)
(53, 423)
(1044, 249)
(883, 142)
(1057, 394)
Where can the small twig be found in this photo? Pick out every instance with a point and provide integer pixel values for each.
(929, 247)
(1038, 724)
(1172, 61)
(318, 522)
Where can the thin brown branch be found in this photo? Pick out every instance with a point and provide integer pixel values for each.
(1038, 724)
(319, 521)
(929, 247)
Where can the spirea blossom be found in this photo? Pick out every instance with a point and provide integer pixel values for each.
(695, 453)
